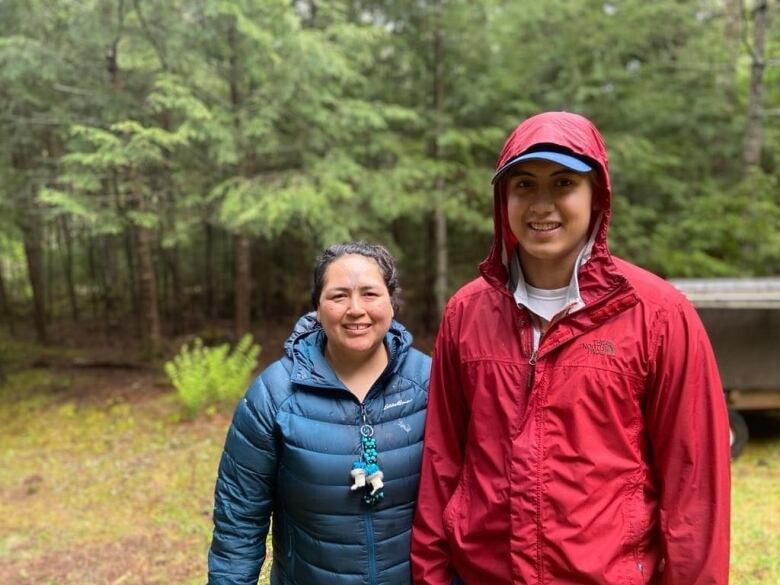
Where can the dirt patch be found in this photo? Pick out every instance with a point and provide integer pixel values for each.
(109, 386)
(140, 559)
(102, 387)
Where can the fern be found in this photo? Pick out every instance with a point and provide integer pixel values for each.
(206, 376)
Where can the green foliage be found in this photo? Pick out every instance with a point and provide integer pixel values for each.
(277, 119)
(206, 376)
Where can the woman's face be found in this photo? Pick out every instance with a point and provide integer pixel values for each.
(354, 306)
(549, 209)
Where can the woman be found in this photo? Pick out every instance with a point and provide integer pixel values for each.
(327, 440)
(577, 431)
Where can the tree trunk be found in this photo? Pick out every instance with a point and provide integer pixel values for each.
(733, 43)
(148, 288)
(753, 142)
(429, 270)
(49, 260)
(178, 291)
(133, 282)
(93, 275)
(440, 218)
(68, 268)
(169, 256)
(147, 281)
(5, 305)
(243, 284)
(164, 283)
(177, 306)
(35, 267)
(110, 286)
(208, 309)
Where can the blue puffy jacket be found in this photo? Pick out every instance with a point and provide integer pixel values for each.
(288, 454)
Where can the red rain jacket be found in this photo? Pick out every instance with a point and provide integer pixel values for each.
(604, 459)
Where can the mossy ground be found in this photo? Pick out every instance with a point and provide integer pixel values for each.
(103, 482)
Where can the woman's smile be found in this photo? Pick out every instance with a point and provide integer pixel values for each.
(357, 328)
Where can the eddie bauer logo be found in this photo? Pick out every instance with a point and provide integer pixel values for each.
(600, 347)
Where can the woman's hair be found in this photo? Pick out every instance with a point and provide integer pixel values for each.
(377, 253)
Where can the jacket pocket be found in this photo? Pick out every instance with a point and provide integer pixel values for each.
(453, 511)
(639, 524)
(290, 552)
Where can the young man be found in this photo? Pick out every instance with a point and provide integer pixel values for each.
(576, 431)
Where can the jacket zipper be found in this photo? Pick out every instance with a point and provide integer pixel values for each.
(368, 517)
(531, 375)
(371, 551)
(530, 382)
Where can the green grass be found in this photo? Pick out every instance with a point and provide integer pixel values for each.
(103, 483)
(755, 514)
(102, 491)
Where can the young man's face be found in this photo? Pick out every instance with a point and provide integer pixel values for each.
(549, 209)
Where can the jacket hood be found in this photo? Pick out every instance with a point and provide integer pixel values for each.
(560, 131)
(306, 346)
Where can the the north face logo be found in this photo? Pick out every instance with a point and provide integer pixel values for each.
(600, 347)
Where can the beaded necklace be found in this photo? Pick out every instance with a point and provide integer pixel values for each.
(366, 472)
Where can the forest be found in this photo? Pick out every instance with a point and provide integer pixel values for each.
(170, 164)
(169, 170)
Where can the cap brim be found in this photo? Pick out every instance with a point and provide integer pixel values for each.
(570, 162)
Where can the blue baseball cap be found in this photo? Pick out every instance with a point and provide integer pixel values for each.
(565, 160)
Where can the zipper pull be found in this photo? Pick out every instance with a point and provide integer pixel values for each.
(532, 363)
(366, 429)
(641, 568)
